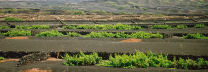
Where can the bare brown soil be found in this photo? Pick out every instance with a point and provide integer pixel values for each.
(49, 59)
(36, 70)
(19, 37)
(53, 59)
(6, 60)
(132, 40)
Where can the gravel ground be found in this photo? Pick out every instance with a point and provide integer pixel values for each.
(165, 46)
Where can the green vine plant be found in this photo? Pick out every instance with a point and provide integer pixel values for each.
(161, 27)
(104, 27)
(82, 59)
(32, 27)
(73, 34)
(4, 27)
(1, 58)
(136, 60)
(181, 27)
(9, 19)
(195, 36)
(199, 26)
(17, 33)
(141, 34)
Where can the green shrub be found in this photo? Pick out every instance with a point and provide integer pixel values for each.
(199, 26)
(104, 27)
(138, 60)
(32, 27)
(51, 33)
(1, 58)
(181, 26)
(121, 35)
(128, 61)
(159, 60)
(161, 27)
(206, 62)
(141, 34)
(100, 35)
(12, 19)
(82, 59)
(4, 27)
(143, 60)
(191, 64)
(22, 27)
(201, 63)
(73, 34)
(187, 64)
(17, 33)
(144, 35)
(195, 36)
(123, 27)
(136, 27)
(157, 35)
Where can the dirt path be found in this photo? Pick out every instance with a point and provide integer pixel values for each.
(172, 47)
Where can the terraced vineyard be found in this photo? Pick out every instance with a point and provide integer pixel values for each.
(169, 43)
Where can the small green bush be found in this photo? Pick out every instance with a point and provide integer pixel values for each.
(51, 33)
(181, 26)
(121, 35)
(201, 63)
(12, 19)
(4, 27)
(159, 61)
(128, 61)
(199, 26)
(17, 33)
(161, 27)
(82, 59)
(100, 35)
(32, 27)
(73, 34)
(22, 27)
(195, 36)
(187, 64)
(123, 27)
(144, 35)
(1, 58)
(157, 35)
